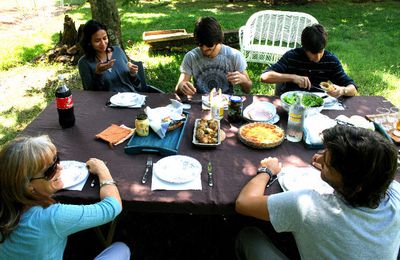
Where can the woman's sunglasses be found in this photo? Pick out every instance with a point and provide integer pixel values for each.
(51, 171)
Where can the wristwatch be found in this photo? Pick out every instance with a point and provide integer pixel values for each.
(267, 171)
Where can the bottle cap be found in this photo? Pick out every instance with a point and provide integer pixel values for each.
(141, 116)
(235, 99)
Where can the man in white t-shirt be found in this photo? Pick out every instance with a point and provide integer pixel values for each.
(212, 64)
(359, 220)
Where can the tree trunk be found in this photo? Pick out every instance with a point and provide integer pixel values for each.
(106, 12)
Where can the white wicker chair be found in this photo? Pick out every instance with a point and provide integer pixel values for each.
(268, 34)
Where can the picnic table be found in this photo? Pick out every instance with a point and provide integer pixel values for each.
(234, 163)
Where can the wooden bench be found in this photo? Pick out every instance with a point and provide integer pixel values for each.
(268, 34)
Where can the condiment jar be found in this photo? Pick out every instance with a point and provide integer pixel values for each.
(142, 125)
(235, 109)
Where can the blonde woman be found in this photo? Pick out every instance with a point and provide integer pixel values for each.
(32, 224)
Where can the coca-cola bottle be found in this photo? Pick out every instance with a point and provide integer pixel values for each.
(65, 104)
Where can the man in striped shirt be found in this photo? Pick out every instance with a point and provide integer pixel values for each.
(308, 66)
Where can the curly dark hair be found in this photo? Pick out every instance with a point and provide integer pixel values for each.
(207, 31)
(90, 28)
(366, 161)
(314, 38)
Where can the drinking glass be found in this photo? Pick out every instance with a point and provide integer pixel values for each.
(393, 117)
(382, 117)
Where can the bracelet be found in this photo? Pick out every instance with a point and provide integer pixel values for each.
(107, 182)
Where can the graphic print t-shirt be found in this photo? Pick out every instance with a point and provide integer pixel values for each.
(209, 73)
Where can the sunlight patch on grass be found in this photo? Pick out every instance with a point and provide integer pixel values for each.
(144, 15)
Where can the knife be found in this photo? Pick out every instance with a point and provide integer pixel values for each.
(210, 177)
(149, 163)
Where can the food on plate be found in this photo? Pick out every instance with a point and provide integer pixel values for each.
(207, 131)
(260, 114)
(327, 86)
(173, 124)
(261, 135)
(308, 100)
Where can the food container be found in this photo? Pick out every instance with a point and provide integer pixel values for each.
(197, 124)
(310, 110)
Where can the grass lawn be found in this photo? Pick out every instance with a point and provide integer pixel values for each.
(362, 35)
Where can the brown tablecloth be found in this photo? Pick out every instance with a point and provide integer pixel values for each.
(234, 164)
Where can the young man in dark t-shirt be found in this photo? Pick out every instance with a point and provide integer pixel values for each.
(308, 66)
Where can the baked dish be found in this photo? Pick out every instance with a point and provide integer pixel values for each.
(206, 132)
(261, 135)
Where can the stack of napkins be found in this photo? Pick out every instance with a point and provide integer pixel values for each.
(313, 126)
(115, 134)
(158, 115)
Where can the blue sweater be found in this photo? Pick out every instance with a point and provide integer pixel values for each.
(42, 232)
(116, 79)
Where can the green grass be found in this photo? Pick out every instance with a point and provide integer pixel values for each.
(364, 36)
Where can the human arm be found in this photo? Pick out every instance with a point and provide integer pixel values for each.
(98, 167)
(251, 200)
(271, 77)
(240, 78)
(90, 79)
(184, 86)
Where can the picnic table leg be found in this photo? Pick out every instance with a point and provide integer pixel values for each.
(106, 240)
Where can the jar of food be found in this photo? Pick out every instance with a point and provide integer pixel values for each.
(235, 109)
(217, 110)
(142, 125)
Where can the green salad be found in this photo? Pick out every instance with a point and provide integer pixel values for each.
(306, 100)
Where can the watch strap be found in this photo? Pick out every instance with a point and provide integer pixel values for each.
(267, 171)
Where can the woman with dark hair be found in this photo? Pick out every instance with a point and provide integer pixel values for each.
(32, 225)
(105, 67)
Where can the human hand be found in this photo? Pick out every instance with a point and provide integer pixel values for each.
(302, 81)
(97, 167)
(272, 163)
(316, 161)
(336, 92)
(235, 78)
(187, 88)
(103, 66)
(133, 69)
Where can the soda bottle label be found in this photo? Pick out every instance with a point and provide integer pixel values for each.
(65, 103)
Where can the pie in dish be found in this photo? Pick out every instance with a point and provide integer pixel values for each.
(261, 135)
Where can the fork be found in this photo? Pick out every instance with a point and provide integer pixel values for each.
(149, 163)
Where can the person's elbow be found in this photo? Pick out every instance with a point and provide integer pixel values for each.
(267, 77)
(240, 205)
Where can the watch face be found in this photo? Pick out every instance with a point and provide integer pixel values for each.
(262, 169)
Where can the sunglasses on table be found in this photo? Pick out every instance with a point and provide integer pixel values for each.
(51, 171)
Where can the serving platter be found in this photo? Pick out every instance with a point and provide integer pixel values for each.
(196, 142)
